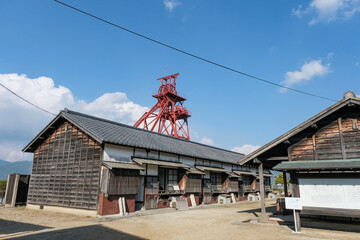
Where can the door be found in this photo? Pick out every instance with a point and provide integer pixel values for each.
(151, 192)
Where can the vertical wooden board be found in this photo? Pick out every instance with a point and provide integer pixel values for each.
(10, 187)
(343, 153)
(62, 177)
(151, 202)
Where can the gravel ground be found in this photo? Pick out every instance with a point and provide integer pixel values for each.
(222, 222)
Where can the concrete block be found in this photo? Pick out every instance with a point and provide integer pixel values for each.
(251, 197)
(272, 195)
(224, 199)
(182, 204)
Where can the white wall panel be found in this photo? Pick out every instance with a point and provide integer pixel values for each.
(119, 153)
(330, 192)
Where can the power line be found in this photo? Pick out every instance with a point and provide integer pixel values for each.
(27, 100)
(195, 56)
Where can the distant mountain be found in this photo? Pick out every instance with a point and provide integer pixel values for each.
(6, 168)
(3, 162)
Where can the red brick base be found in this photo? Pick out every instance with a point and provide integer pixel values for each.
(165, 204)
(197, 199)
(242, 198)
(110, 205)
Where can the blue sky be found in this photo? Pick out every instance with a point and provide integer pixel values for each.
(56, 58)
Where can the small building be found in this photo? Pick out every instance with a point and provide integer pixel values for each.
(322, 156)
(17, 187)
(88, 163)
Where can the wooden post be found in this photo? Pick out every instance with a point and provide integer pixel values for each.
(294, 184)
(15, 190)
(285, 185)
(343, 152)
(6, 190)
(264, 216)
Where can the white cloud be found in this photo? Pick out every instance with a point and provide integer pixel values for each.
(308, 71)
(297, 12)
(20, 122)
(327, 11)
(171, 4)
(330, 55)
(11, 152)
(207, 141)
(245, 149)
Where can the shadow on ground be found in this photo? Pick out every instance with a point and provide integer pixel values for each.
(86, 232)
(9, 227)
(256, 211)
(326, 224)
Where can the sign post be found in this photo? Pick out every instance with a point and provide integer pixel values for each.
(294, 204)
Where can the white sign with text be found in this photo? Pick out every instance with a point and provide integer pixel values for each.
(293, 203)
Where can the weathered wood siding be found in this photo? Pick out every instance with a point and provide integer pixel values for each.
(233, 185)
(66, 170)
(338, 140)
(124, 185)
(193, 183)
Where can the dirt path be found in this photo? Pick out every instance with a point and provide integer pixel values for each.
(223, 222)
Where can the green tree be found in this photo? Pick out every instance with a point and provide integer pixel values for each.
(2, 186)
(280, 179)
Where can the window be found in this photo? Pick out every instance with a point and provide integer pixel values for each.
(246, 180)
(151, 185)
(267, 182)
(207, 185)
(172, 179)
(216, 181)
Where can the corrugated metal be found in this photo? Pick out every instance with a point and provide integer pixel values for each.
(122, 165)
(319, 165)
(245, 173)
(160, 163)
(195, 171)
(212, 169)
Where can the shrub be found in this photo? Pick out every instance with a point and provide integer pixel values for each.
(2, 185)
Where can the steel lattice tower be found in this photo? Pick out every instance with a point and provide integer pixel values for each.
(168, 116)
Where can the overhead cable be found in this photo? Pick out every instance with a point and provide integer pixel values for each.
(195, 56)
(26, 100)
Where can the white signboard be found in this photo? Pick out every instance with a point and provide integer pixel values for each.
(330, 192)
(293, 203)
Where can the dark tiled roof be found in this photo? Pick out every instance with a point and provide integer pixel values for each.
(105, 131)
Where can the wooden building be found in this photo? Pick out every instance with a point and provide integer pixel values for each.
(85, 162)
(322, 156)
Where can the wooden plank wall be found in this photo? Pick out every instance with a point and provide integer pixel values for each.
(122, 185)
(193, 183)
(233, 185)
(338, 140)
(66, 170)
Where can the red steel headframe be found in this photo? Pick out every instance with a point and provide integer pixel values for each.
(168, 116)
